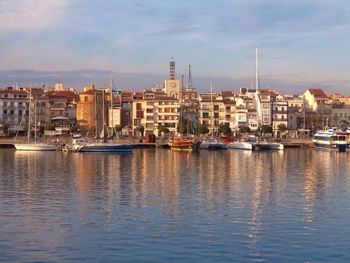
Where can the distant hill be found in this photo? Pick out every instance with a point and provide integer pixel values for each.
(139, 81)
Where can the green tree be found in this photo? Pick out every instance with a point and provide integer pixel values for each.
(265, 129)
(244, 129)
(140, 129)
(203, 129)
(224, 128)
(162, 128)
(282, 127)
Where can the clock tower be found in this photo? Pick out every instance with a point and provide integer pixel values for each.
(172, 85)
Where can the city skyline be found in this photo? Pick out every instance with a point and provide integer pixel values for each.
(301, 43)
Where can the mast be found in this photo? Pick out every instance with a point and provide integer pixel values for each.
(29, 115)
(96, 124)
(189, 104)
(257, 99)
(35, 118)
(256, 71)
(111, 109)
(181, 103)
(103, 113)
(212, 109)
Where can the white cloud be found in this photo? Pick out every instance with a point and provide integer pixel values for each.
(30, 15)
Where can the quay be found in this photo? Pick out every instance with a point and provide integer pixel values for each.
(9, 143)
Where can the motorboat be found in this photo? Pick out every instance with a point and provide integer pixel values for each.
(332, 139)
(182, 144)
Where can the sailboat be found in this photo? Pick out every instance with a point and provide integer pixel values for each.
(84, 145)
(264, 145)
(35, 146)
(184, 143)
(212, 143)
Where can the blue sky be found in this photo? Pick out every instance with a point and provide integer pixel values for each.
(305, 40)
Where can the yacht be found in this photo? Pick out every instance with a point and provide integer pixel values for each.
(332, 139)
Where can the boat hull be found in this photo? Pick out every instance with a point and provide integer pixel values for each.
(35, 147)
(182, 148)
(269, 146)
(332, 147)
(213, 146)
(241, 146)
(103, 148)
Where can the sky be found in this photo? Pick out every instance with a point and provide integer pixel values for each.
(300, 41)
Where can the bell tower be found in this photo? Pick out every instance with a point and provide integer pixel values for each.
(172, 85)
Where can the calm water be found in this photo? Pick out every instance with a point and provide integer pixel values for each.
(163, 206)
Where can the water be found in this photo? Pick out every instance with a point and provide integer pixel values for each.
(163, 206)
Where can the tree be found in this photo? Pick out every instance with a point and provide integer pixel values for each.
(203, 129)
(140, 129)
(163, 129)
(224, 128)
(244, 129)
(282, 127)
(50, 127)
(265, 129)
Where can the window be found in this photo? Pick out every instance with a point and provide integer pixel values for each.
(149, 125)
(149, 110)
(205, 115)
(86, 99)
(138, 106)
(216, 107)
(137, 122)
(216, 115)
(139, 114)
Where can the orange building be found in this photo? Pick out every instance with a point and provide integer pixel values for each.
(92, 110)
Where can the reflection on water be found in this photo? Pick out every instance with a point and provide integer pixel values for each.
(159, 205)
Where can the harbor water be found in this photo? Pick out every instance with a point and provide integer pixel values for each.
(163, 206)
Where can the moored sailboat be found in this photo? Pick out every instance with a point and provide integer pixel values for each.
(33, 146)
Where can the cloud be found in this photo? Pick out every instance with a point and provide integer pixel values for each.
(30, 15)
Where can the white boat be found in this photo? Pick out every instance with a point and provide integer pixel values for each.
(212, 144)
(248, 144)
(332, 139)
(35, 147)
(83, 145)
(241, 145)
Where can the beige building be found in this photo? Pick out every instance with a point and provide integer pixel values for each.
(314, 98)
(340, 117)
(154, 108)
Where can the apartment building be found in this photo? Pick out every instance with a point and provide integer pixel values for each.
(153, 108)
(14, 108)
